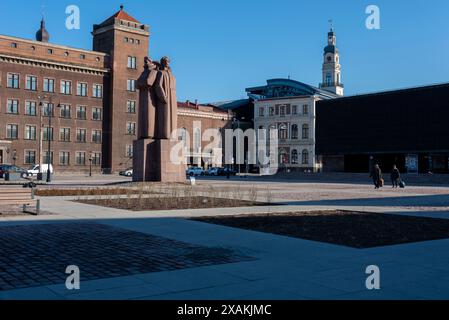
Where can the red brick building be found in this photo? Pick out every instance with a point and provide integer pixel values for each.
(195, 119)
(91, 98)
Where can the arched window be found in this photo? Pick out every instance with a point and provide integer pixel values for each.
(284, 157)
(262, 131)
(283, 131)
(295, 132)
(305, 157)
(295, 157)
(183, 136)
(197, 140)
(305, 132)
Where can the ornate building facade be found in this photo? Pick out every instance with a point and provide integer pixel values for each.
(289, 107)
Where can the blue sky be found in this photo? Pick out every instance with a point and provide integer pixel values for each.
(221, 47)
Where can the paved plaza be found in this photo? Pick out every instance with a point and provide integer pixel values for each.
(164, 255)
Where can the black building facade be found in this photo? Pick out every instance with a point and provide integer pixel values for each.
(408, 128)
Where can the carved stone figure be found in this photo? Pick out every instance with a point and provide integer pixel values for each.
(147, 100)
(158, 118)
(167, 105)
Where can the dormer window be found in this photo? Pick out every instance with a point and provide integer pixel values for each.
(14, 45)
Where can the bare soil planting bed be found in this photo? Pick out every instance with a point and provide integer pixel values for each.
(352, 229)
(169, 203)
(86, 192)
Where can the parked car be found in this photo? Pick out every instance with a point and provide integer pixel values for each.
(6, 168)
(224, 172)
(127, 173)
(213, 171)
(195, 172)
(34, 170)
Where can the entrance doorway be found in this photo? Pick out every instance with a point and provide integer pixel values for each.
(1, 156)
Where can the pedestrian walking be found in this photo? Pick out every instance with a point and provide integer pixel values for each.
(395, 177)
(376, 175)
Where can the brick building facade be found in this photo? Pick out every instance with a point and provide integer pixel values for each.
(90, 95)
(195, 119)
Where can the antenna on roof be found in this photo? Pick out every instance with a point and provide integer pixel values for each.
(331, 24)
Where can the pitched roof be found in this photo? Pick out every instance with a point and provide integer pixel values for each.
(122, 15)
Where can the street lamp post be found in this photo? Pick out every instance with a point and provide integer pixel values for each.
(235, 120)
(14, 156)
(41, 133)
(237, 147)
(50, 111)
(90, 165)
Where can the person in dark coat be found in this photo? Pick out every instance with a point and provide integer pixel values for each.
(376, 174)
(395, 177)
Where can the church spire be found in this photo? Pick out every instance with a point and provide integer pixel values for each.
(42, 34)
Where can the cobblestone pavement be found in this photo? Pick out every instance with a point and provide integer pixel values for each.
(38, 255)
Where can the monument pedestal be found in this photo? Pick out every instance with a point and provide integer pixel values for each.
(151, 162)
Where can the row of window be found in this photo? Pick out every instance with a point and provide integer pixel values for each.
(293, 158)
(30, 158)
(287, 131)
(49, 85)
(30, 133)
(48, 109)
(82, 90)
(82, 56)
(284, 110)
(131, 40)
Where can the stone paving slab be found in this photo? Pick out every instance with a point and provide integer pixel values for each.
(37, 255)
(281, 268)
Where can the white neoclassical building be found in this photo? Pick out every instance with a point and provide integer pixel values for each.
(290, 107)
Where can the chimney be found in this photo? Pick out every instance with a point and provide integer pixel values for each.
(196, 103)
